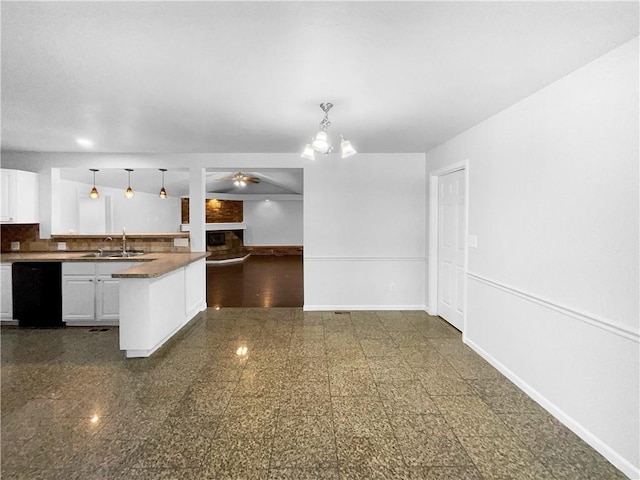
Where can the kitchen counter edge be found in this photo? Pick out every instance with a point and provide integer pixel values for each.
(151, 265)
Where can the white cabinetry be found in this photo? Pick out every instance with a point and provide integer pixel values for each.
(18, 196)
(78, 293)
(90, 296)
(6, 300)
(108, 298)
(154, 309)
(195, 286)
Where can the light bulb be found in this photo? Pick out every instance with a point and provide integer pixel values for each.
(321, 142)
(128, 193)
(94, 191)
(308, 152)
(163, 192)
(347, 149)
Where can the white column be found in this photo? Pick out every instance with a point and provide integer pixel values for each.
(49, 202)
(197, 198)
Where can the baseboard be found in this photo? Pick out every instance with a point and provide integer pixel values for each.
(342, 308)
(200, 307)
(227, 260)
(277, 250)
(618, 461)
(86, 323)
(142, 353)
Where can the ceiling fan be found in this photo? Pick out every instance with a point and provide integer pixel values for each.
(240, 179)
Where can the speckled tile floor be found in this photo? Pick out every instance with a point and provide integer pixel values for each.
(276, 394)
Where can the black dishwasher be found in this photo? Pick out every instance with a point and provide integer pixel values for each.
(37, 294)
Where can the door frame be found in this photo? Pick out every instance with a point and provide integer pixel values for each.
(434, 204)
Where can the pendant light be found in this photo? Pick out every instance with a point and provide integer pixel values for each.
(321, 141)
(129, 191)
(163, 192)
(94, 191)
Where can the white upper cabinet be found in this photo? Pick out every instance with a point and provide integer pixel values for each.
(18, 196)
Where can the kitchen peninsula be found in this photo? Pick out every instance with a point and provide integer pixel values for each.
(159, 292)
(158, 298)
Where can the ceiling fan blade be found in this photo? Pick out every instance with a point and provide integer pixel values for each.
(252, 180)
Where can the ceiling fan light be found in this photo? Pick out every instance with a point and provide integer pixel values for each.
(347, 149)
(321, 142)
(308, 152)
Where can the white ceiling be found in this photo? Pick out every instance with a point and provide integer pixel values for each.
(248, 77)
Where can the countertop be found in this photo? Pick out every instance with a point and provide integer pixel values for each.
(102, 236)
(150, 265)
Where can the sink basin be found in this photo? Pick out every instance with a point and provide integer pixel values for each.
(111, 254)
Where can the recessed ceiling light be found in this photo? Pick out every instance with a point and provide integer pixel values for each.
(84, 142)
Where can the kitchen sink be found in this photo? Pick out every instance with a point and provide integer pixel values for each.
(112, 254)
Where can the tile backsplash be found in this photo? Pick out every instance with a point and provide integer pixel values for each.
(23, 233)
(30, 241)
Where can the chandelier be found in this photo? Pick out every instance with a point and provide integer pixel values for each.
(321, 142)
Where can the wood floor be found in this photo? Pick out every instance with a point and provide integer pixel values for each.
(259, 281)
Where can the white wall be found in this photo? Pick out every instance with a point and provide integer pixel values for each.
(364, 218)
(145, 212)
(364, 232)
(273, 222)
(553, 285)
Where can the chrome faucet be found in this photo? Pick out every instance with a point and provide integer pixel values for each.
(124, 240)
(108, 239)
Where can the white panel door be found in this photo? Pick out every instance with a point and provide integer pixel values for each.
(78, 297)
(451, 247)
(107, 299)
(6, 299)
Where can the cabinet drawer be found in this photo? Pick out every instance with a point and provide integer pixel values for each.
(78, 268)
(109, 267)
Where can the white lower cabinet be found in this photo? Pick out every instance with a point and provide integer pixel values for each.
(108, 299)
(90, 296)
(6, 300)
(78, 298)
